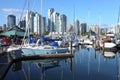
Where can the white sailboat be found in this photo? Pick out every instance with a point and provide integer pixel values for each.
(43, 49)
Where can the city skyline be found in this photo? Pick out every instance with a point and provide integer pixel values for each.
(83, 10)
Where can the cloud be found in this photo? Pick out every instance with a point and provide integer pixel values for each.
(16, 12)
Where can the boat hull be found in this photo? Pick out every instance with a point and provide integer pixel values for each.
(108, 45)
(29, 51)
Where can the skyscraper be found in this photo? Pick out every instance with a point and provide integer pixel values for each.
(43, 25)
(37, 22)
(11, 20)
(83, 28)
(30, 21)
(63, 23)
(56, 22)
(50, 19)
(77, 27)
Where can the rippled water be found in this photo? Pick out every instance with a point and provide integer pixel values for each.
(87, 64)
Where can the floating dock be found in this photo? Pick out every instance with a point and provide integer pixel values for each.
(18, 55)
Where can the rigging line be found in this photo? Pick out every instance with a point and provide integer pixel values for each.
(118, 20)
(22, 11)
(20, 18)
(33, 5)
(118, 15)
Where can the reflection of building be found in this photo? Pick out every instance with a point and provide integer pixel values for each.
(11, 20)
(83, 28)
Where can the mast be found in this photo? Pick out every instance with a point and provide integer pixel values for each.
(89, 30)
(74, 19)
(41, 18)
(99, 25)
(118, 15)
(118, 21)
(28, 22)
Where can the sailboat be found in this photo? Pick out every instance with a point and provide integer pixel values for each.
(39, 49)
(117, 41)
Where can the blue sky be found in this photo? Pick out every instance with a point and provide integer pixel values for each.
(90, 11)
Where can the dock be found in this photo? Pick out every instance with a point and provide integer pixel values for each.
(18, 55)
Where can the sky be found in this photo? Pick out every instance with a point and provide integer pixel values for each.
(103, 12)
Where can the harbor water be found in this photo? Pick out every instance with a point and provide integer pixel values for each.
(87, 64)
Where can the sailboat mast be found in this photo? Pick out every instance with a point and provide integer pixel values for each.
(89, 30)
(99, 25)
(74, 19)
(41, 18)
(28, 17)
(119, 14)
(118, 21)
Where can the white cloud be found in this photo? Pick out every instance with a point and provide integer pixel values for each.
(16, 12)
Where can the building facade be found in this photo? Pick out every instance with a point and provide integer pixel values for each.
(83, 28)
(11, 20)
(37, 23)
(63, 24)
(77, 27)
(56, 22)
(50, 20)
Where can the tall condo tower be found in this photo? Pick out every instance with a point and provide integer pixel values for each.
(63, 23)
(50, 19)
(11, 20)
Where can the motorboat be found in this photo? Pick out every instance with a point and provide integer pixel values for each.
(108, 41)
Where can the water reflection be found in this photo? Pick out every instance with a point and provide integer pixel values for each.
(118, 65)
(87, 64)
(16, 66)
(108, 54)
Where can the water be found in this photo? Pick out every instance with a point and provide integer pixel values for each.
(87, 64)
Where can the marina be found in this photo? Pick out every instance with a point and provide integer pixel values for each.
(41, 40)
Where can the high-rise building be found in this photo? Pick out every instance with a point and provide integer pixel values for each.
(63, 23)
(22, 24)
(37, 23)
(50, 19)
(83, 28)
(77, 27)
(11, 20)
(117, 28)
(95, 28)
(56, 22)
(43, 25)
(4, 27)
(30, 21)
